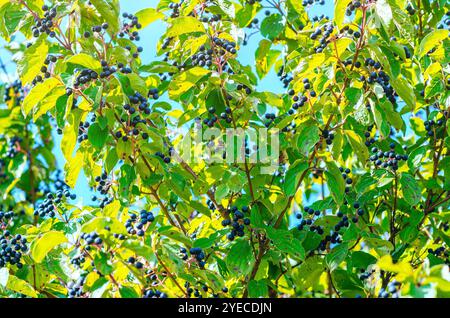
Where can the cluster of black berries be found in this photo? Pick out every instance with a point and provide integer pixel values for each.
(132, 260)
(91, 238)
(75, 288)
(334, 238)
(237, 222)
(307, 3)
(11, 249)
(210, 205)
(98, 28)
(175, 9)
(352, 6)
(2, 168)
(153, 92)
(106, 70)
(308, 222)
(165, 158)
(446, 21)
(290, 127)
(284, 78)
(49, 206)
(45, 73)
(103, 185)
(379, 76)
(226, 115)
(151, 293)
(212, 18)
(204, 58)
(251, 2)
(195, 291)
(165, 45)
(410, 9)
(329, 136)
(325, 31)
(319, 18)
(195, 252)
(123, 68)
(119, 236)
(387, 158)
(137, 100)
(369, 140)
(199, 255)
(299, 100)
(139, 228)
(84, 77)
(432, 127)
(346, 175)
(5, 217)
(13, 146)
(366, 274)
(270, 117)
(128, 26)
(83, 131)
(441, 252)
(46, 24)
(392, 290)
(78, 260)
(246, 89)
(15, 90)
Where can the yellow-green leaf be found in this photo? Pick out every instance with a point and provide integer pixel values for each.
(85, 60)
(43, 245)
(339, 11)
(147, 16)
(184, 25)
(431, 40)
(37, 93)
(30, 63)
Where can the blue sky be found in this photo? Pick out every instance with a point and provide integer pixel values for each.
(149, 38)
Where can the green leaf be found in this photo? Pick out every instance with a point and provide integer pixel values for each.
(48, 103)
(285, 242)
(362, 259)
(41, 246)
(148, 16)
(30, 63)
(21, 286)
(307, 138)
(265, 57)
(257, 288)
(240, 256)
(272, 26)
(384, 11)
(181, 83)
(185, 25)
(436, 86)
(431, 40)
(293, 175)
(128, 292)
(339, 11)
(85, 60)
(335, 182)
(405, 91)
(99, 223)
(38, 93)
(410, 188)
(72, 168)
(70, 133)
(358, 145)
(109, 11)
(97, 136)
(336, 256)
